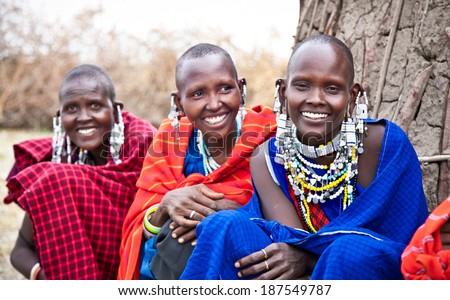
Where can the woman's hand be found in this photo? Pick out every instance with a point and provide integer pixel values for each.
(189, 205)
(445, 236)
(185, 234)
(277, 261)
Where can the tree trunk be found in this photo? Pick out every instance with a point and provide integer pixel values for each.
(401, 53)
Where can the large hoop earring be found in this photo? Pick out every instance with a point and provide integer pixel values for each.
(175, 115)
(117, 137)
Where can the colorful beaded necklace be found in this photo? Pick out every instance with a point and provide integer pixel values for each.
(339, 179)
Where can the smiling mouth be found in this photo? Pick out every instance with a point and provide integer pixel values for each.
(215, 120)
(87, 131)
(312, 115)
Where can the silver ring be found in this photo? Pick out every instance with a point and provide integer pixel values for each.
(192, 214)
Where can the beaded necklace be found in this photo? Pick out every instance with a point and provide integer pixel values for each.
(83, 158)
(339, 179)
(322, 150)
(209, 164)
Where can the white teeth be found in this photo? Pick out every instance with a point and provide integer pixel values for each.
(215, 120)
(86, 131)
(314, 115)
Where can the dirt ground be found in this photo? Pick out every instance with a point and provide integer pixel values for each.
(10, 215)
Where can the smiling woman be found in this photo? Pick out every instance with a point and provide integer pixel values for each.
(88, 109)
(74, 204)
(197, 165)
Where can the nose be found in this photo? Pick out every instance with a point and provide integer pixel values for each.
(315, 97)
(83, 115)
(214, 102)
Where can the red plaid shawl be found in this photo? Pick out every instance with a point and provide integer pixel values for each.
(163, 171)
(424, 258)
(77, 210)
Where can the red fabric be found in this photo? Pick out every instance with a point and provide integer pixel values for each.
(424, 258)
(319, 220)
(77, 211)
(163, 172)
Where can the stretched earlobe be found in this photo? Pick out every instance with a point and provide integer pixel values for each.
(117, 137)
(58, 138)
(243, 92)
(277, 103)
(174, 114)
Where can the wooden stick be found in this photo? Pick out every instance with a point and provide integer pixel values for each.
(387, 56)
(435, 158)
(301, 20)
(412, 101)
(311, 22)
(323, 19)
(330, 20)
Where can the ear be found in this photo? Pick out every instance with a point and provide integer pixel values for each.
(242, 81)
(282, 91)
(117, 104)
(177, 101)
(355, 89)
(243, 88)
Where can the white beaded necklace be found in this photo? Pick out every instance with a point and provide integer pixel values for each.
(209, 164)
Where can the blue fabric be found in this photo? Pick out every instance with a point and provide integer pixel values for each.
(363, 242)
(148, 250)
(193, 163)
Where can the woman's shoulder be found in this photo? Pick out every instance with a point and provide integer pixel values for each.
(383, 130)
(374, 133)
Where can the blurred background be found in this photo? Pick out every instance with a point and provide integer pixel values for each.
(401, 52)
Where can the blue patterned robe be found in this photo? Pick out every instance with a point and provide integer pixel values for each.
(365, 241)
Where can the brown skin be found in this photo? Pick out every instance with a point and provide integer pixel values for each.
(208, 90)
(83, 105)
(87, 115)
(319, 91)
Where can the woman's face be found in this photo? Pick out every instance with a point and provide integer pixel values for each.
(87, 115)
(318, 89)
(210, 95)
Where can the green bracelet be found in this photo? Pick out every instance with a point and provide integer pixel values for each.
(152, 229)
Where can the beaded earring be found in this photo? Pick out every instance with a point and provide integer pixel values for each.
(174, 115)
(276, 102)
(117, 137)
(68, 150)
(82, 156)
(361, 114)
(284, 125)
(57, 139)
